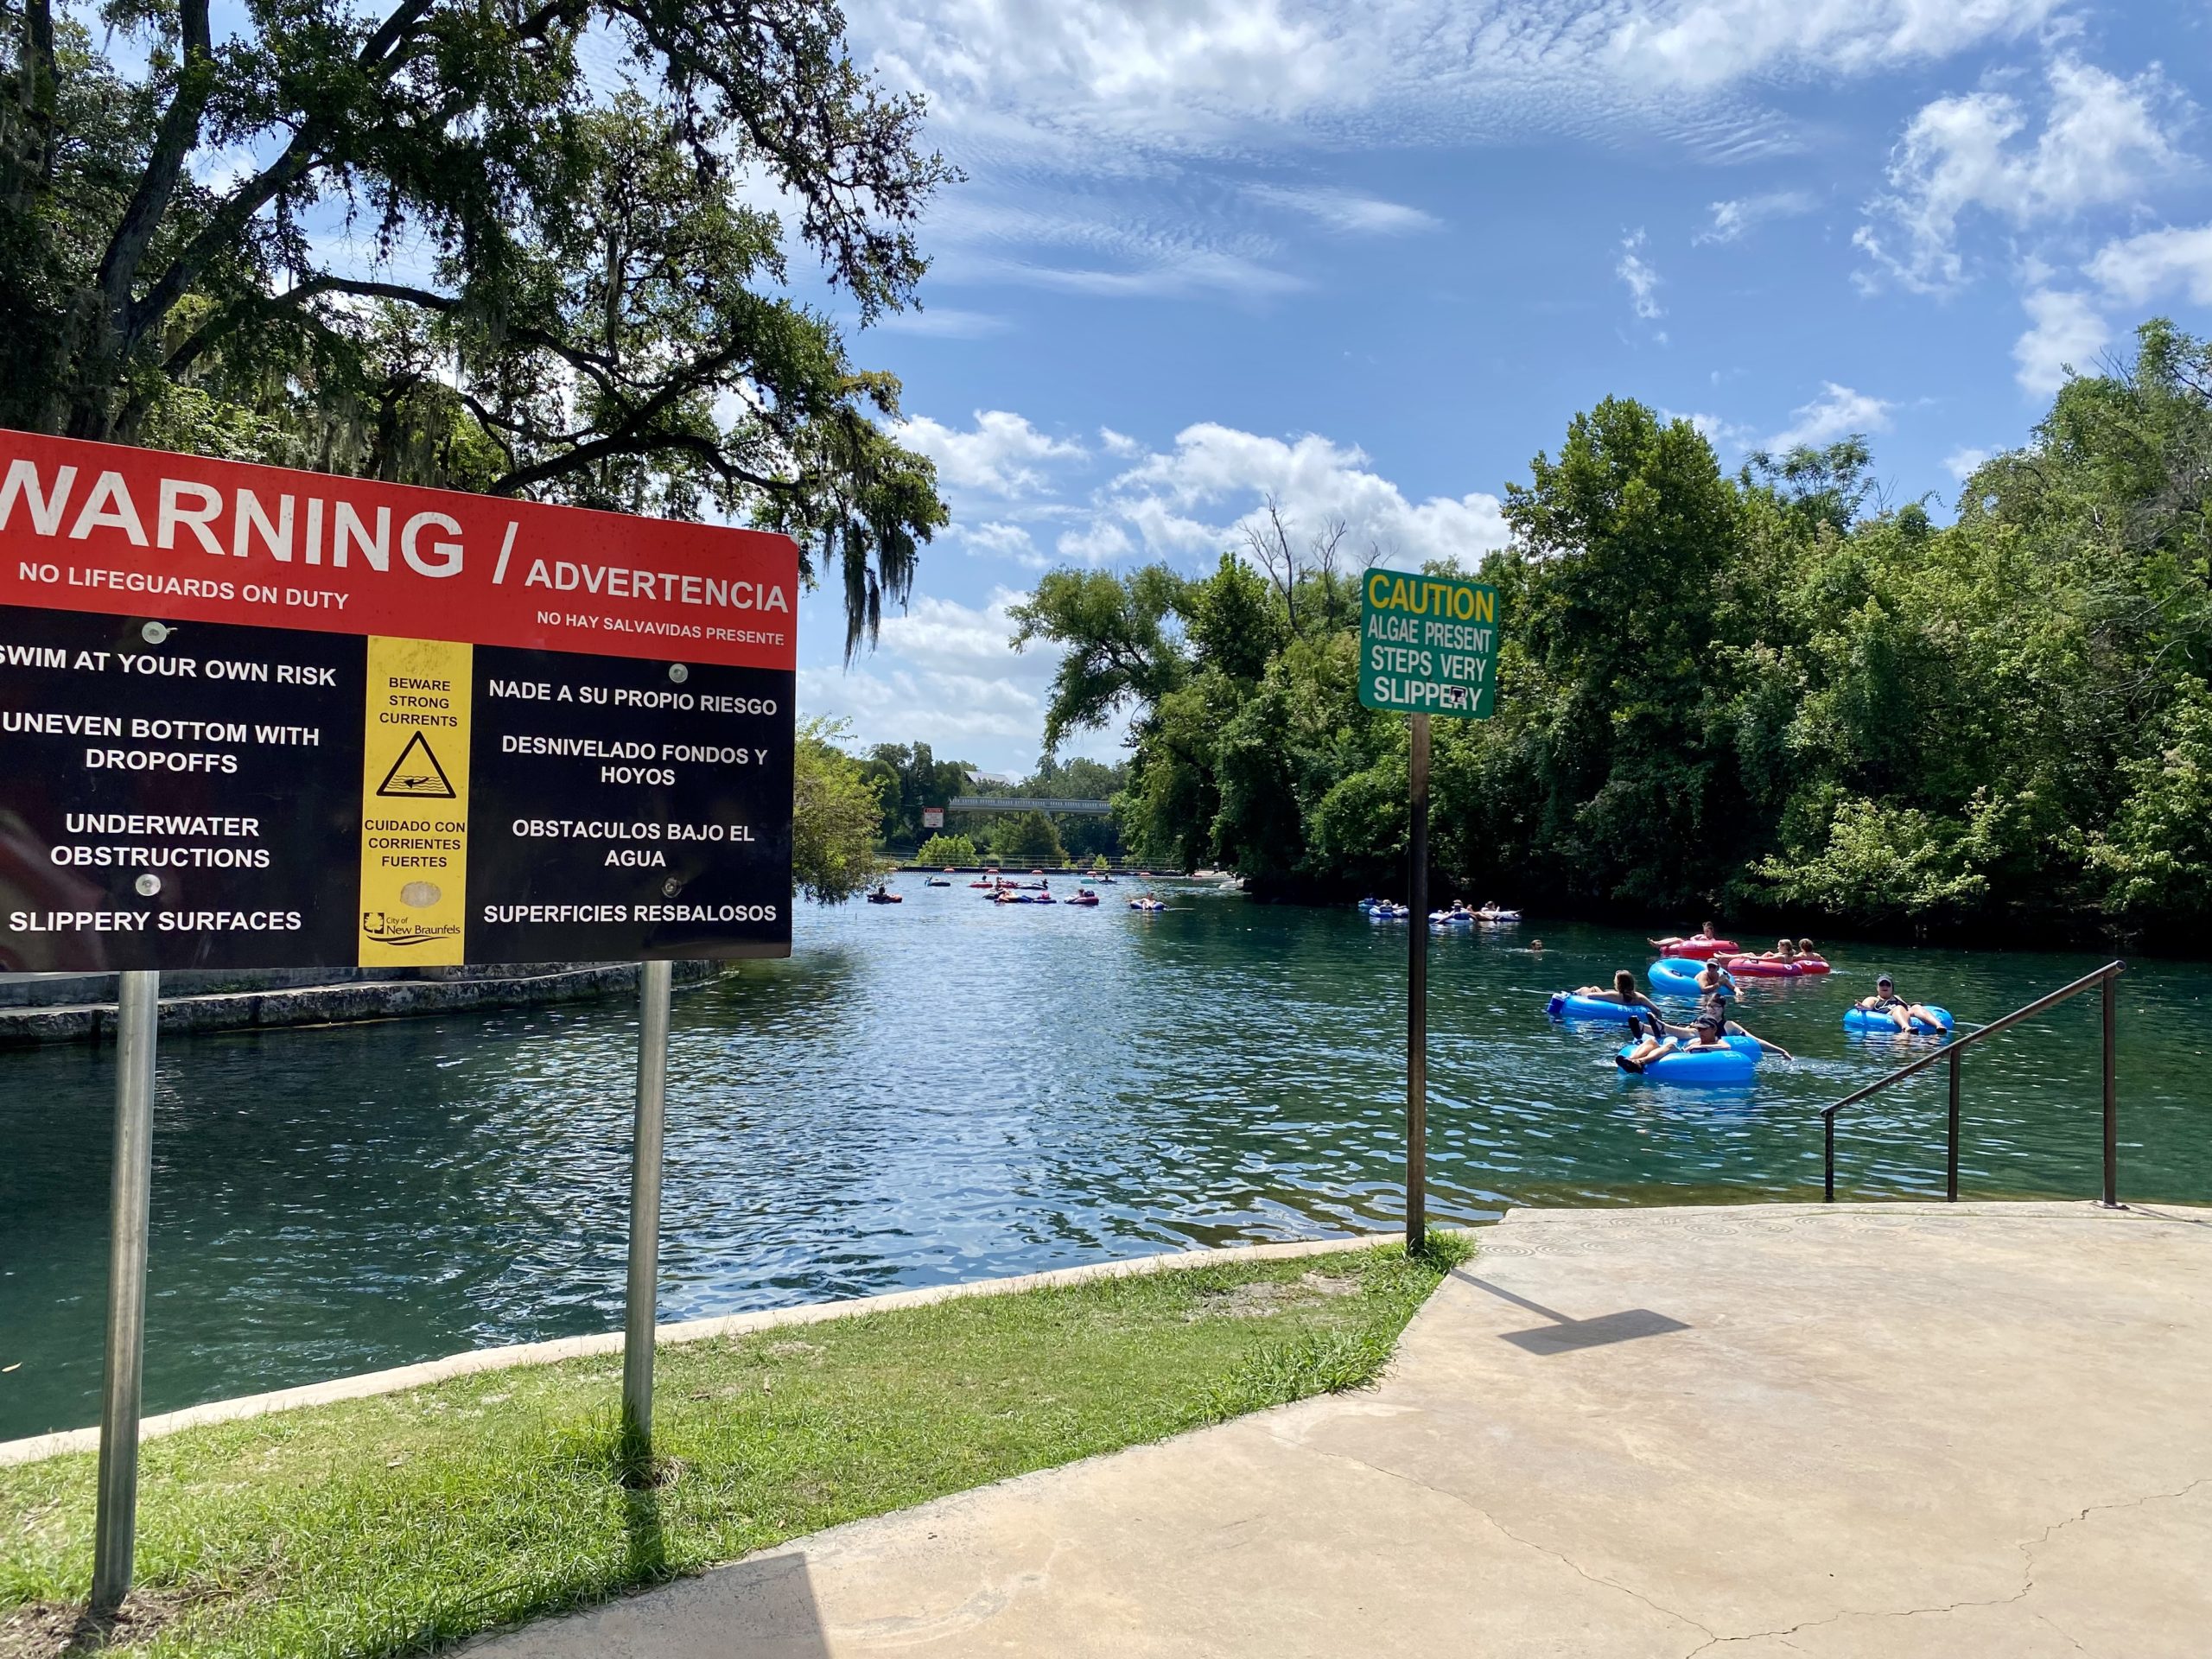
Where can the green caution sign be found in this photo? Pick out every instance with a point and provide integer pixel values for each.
(1427, 645)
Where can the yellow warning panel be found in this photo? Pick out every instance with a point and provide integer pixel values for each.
(415, 804)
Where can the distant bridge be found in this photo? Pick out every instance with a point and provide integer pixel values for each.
(1028, 803)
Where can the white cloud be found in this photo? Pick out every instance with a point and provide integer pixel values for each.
(1204, 73)
(1711, 428)
(1704, 42)
(1732, 218)
(1087, 231)
(1197, 498)
(945, 674)
(1643, 281)
(1118, 443)
(1004, 455)
(2067, 335)
(1125, 132)
(2103, 141)
(1099, 543)
(1838, 412)
(943, 322)
(1348, 211)
(1002, 540)
(2158, 262)
(1132, 65)
(1962, 464)
(1198, 271)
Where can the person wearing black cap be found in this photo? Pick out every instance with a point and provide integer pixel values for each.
(1886, 1002)
(1711, 1033)
(1717, 1013)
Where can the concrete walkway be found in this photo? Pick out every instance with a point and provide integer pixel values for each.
(1892, 1430)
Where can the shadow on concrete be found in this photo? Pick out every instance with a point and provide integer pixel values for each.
(769, 1603)
(761, 1609)
(765, 1609)
(1564, 1332)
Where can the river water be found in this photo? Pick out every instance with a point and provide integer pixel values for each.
(948, 1089)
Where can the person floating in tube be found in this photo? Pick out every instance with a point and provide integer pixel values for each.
(1707, 934)
(1886, 1002)
(1716, 994)
(1710, 1033)
(1624, 993)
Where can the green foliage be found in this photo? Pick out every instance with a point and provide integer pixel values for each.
(1117, 639)
(1027, 838)
(587, 309)
(1757, 693)
(941, 850)
(836, 813)
(914, 778)
(1884, 864)
(2155, 857)
(405, 1522)
(1080, 779)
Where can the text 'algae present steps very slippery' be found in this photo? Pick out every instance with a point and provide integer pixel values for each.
(257, 718)
(1427, 644)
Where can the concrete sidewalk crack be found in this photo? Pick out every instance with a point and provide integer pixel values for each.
(2027, 1579)
(1512, 1537)
(2058, 1629)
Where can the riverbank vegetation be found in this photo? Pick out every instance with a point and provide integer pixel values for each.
(837, 810)
(393, 1524)
(1772, 694)
(911, 779)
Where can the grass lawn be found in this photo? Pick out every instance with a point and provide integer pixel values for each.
(391, 1525)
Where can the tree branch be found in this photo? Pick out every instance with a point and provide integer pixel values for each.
(37, 93)
(173, 141)
(632, 442)
(584, 362)
(381, 51)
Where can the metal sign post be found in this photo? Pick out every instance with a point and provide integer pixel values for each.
(1427, 645)
(1417, 996)
(641, 1306)
(115, 1518)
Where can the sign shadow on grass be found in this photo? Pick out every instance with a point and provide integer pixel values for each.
(1564, 1333)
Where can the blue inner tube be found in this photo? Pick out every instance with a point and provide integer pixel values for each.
(1736, 1064)
(1678, 977)
(1565, 1005)
(1858, 1019)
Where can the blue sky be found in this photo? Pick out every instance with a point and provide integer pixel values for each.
(1372, 258)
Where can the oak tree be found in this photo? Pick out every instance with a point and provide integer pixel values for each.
(534, 247)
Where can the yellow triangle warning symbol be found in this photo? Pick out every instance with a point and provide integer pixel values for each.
(417, 774)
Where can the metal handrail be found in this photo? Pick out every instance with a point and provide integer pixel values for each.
(1957, 1047)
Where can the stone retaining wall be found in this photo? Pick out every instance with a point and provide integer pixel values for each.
(80, 1008)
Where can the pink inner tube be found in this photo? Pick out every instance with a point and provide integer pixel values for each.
(1699, 949)
(1762, 968)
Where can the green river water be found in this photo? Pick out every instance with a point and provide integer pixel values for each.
(945, 1089)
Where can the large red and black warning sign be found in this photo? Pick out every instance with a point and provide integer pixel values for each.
(256, 718)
